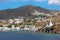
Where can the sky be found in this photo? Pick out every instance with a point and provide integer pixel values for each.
(47, 4)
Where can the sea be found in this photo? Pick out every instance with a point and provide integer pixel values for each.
(14, 35)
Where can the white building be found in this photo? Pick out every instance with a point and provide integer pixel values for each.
(3, 20)
(13, 28)
(10, 20)
(17, 20)
(4, 29)
(49, 25)
(30, 28)
(17, 28)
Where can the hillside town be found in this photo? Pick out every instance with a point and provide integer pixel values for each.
(47, 23)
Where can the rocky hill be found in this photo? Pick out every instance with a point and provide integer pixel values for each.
(21, 11)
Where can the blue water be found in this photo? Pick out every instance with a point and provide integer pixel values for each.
(28, 36)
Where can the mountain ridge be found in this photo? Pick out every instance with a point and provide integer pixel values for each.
(21, 11)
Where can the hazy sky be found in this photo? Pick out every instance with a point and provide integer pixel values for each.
(48, 4)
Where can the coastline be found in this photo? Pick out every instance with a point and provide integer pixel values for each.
(27, 32)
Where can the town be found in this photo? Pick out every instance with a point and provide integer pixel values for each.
(47, 23)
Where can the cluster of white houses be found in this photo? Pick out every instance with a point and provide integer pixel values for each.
(17, 28)
(19, 20)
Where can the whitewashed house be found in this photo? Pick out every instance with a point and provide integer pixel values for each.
(3, 20)
(17, 28)
(0, 28)
(13, 28)
(30, 28)
(10, 20)
(5, 29)
(17, 20)
(26, 27)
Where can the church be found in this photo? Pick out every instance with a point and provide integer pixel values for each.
(48, 27)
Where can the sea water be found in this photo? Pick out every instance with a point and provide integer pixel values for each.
(28, 36)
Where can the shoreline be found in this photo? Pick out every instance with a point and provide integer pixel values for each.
(26, 32)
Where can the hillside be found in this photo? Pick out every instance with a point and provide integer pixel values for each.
(21, 11)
